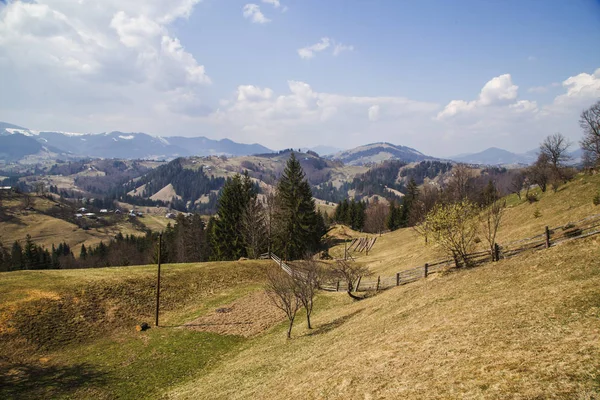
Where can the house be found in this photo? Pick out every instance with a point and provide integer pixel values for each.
(117, 211)
(90, 215)
(170, 216)
(103, 211)
(139, 214)
(131, 214)
(78, 216)
(82, 210)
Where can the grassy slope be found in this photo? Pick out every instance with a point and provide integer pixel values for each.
(47, 230)
(520, 328)
(404, 249)
(71, 333)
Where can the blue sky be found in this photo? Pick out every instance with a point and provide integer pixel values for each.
(444, 77)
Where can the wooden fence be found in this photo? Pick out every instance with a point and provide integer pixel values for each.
(586, 227)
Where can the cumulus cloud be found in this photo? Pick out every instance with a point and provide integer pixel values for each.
(112, 51)
(496, 92)
(253, 13)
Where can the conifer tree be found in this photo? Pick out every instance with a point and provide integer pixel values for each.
(228, 240)
(297, 227)
(16, 255)
(83, 252)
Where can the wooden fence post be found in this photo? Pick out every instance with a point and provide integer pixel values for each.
(547, 237)
(337, 287)
(426, 270)
(397, 278)
(345, 249)
(357, 284)
(496, 252)
(158, 279)
(378, 282)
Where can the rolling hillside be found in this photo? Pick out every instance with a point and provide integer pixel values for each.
(524, 327)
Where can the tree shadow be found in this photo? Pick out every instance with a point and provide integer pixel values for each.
(328, 327)
(27, 381)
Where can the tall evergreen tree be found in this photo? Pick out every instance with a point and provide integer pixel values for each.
(228, 240)
(409, 201)
(16, 255)
(297, 227)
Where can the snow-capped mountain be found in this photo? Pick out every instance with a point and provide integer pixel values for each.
(17, 142)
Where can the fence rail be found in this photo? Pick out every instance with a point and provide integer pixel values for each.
(551, 237)
(583, 228)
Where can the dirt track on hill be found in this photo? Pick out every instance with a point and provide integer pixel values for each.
(246, 317)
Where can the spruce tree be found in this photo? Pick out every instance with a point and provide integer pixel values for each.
(228, 240)
(298, 231)
(16, 255)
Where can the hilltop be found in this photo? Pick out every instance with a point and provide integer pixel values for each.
(378, 152)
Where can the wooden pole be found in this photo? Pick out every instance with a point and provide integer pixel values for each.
(496, 252)
(158, 278)
(345, 250)
(426, 270)
(398, 279)
(547, 237)
(378, 282)
(337, 287)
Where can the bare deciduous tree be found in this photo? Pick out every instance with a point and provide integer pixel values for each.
(517, 183)
(490, 218)
(306, 279)
(350, 273)
(590, 143)
(376, 216)
(555, 148)
(540, 173)
(280, 288)
(458, 187)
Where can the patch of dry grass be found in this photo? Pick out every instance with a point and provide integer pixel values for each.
(521, 328)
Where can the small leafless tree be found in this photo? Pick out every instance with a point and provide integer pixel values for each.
(350, 273)
(376, 216)
(590, 143)
(540, 173)
(458, 187)
(555, 148)
(517, 183)
(307, 278)
(490, 219)
(280, 288)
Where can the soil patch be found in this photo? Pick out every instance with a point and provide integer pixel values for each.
(246, 317)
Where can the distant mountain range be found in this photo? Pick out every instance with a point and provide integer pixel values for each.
(496, 156)
(378, 152)
(17, 142)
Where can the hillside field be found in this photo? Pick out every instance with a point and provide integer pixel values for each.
(527, 327)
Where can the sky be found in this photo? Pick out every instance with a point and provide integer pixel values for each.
(444, 77)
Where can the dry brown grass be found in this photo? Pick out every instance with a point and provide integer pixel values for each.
(523, 328)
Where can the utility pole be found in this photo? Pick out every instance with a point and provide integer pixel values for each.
(158, 278)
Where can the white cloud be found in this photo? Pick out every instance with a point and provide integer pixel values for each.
(303, 115)
(309, 51)
(340, 48)
(374, 112)
(275, 3)
(253, 13)
(94, 60)
(499, 91)
(580, 88)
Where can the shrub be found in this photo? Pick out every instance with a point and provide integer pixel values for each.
(531, 198)
(537, 213)
(596, 199)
